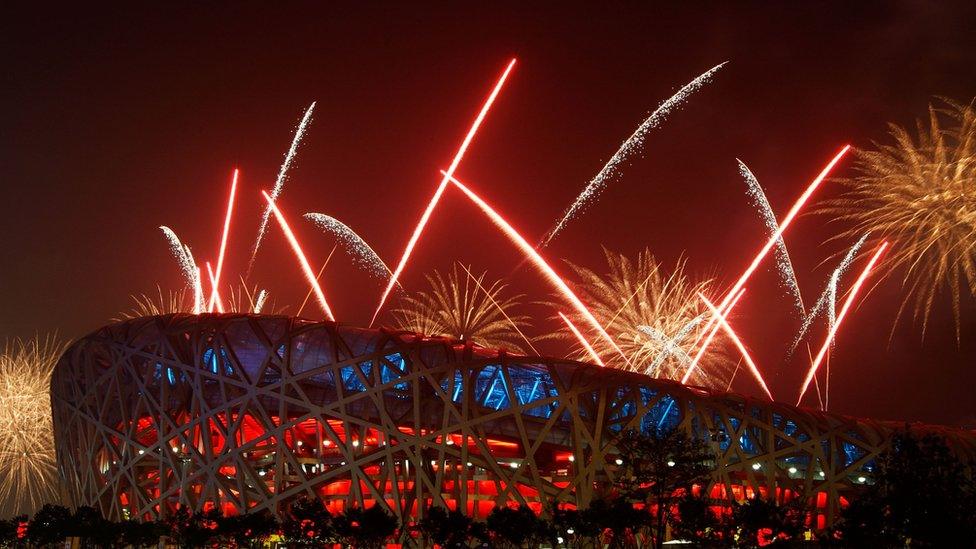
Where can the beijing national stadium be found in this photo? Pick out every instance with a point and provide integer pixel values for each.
(248, 412)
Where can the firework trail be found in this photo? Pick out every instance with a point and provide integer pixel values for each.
(259, 302)
(738, 343)
(302, 260)
(280, 181)
(840, 318)
(189, 267)
(783, 263)
(579, 336)
(724, 307)
(540, 264)
(633, 144)
(363, 255)
(440, 188)
(223, 245)
(828, 298)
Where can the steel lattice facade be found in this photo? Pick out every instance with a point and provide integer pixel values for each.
(248, 412)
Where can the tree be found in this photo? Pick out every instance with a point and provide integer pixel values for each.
(8, 532)
(657, 469)
(366, 528)
(94, 529)
(577, 528)
(141, 534)
(449, 529)
(696, 521)
(922, 495)
(308, 522)
(248, 530)
(49, 525)
(618, 516)
(761, 522)
(515, 527)
(193, 530)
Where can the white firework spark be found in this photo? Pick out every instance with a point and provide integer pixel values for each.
(634, 143)
(672, 345)
(828, 298)
(363, 255)
(280, 181)
(259, 302)
(189, 267)
(783, 263)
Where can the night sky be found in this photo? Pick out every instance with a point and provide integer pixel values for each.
(116, 122)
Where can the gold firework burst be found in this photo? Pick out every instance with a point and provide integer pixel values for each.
(657, 319)
(920, 193)
(28, 471)
(464, 307)
(239, 299)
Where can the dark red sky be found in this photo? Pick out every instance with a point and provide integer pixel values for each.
(114, 123)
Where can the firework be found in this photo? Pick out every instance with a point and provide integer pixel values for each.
(540, 264)
(28, 471)
(738, 343)
(461, 310)
(361, 252)
(215, 300)
(159, 304)
(215, 279)
(827, 300)
(631, 145)
(187, 264)
(671, 345)
(652, 315)
(582, 340)
(920, 193)
(440, 188)
(300, 255)
(840, 318)
(783, 263)
(244, 299)
(724, 307)
(280, 181)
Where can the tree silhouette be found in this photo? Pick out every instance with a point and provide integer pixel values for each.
(922, 495)
(657, 468)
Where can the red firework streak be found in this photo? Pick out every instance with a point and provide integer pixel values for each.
(297, 248)
(215, 295)
(586, 344)
(738, 343)
(724, 305)
(215, 276)
(840, 318)
(540, 263)
(440, 189)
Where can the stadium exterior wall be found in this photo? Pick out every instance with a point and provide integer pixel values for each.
(246, 412)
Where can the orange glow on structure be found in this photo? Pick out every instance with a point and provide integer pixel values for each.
(723, 307)
(215, 278)
(538, 261)
(738, 343)
(840, 318)
(297, 248)
(586, 344)
(214, 295)
(440, 189)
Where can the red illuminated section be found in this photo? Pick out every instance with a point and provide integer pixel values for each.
(313, 449)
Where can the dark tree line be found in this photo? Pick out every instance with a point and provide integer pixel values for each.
(922, 495)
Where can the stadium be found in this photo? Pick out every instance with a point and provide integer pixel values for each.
(247, 412)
